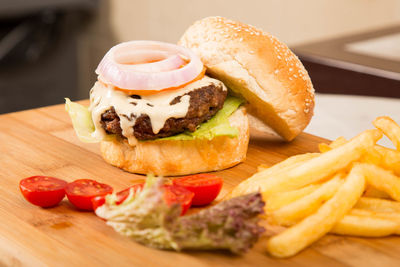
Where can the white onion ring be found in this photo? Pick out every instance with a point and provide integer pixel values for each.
(166, 72)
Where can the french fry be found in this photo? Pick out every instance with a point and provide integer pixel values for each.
(390, 159)
(383, 180)
(303, 207)
(372, 156)
(366, 226)
(375, 193)
(378, 155)
(277, 201)
(377, 205)
(384, 157)
(253, 183)
(307, 193)
(334, 144)
(324, 147)
(317, 168)
(299, 236)
(392, 216)
(390, 128)
(338, 142)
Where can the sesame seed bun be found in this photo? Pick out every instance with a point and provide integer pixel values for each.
(257, 66)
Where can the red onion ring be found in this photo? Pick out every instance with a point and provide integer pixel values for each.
(116, 67)
(161, 60)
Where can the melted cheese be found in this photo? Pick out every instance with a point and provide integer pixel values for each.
(157, 106)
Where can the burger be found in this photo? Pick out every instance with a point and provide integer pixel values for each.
(181, 109)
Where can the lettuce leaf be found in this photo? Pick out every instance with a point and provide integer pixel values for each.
(82, 121)
(217, 126)
(145, 217)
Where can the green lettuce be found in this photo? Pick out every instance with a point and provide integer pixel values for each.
(217, 126)
(81, 120)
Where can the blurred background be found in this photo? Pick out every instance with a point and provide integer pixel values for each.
(49, 49)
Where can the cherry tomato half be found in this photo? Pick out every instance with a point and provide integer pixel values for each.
(205, 187)
(121, 196)
(81, 192)
(172, 194)
(178, 194)
(98, 201)
(43, 191)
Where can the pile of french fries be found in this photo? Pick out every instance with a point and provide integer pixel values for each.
(352, 187)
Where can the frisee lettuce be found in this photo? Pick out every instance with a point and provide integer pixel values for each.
(218, 125)
(145, 217)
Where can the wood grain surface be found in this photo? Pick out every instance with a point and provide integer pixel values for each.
(42, 142)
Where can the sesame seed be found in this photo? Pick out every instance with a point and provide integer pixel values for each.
(241, 39)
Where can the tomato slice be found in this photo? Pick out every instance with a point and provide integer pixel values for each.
(205, 187)
(81, 192)
(43, 191)
(178, 194)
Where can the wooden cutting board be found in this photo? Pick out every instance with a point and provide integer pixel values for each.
(42, 142)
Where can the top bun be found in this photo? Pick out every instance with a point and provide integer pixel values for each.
(257, 66)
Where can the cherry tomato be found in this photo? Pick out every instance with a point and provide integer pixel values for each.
(121, 196)
(178, 194)
(172, 194)
(205, 187)
(81, 192)
(43, 191)
(98, 201)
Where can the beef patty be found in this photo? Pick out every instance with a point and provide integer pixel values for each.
(204, 103)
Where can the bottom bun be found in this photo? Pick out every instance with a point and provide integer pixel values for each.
(172, 157)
